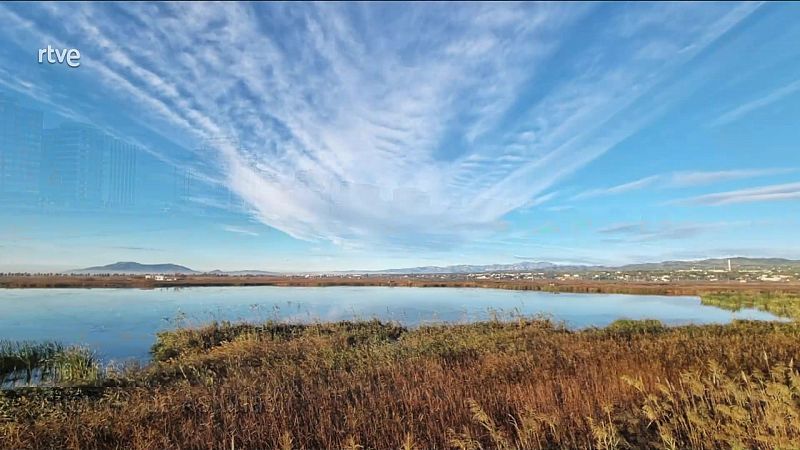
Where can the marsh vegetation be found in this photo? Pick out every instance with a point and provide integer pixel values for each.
(779, 303)
(40, 363)
(530, 383)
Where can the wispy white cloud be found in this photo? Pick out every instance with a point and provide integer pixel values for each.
(618, 189)
(239, 230)
(559, 208)
(623, 228)
(544, 198)
(354, 128)
(699, 178)
(647, 232)
(775, 192)
(683, 179)
(761, 102)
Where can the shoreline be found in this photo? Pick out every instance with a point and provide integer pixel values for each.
(577, 287)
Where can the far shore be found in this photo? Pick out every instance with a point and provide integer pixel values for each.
(573, 286)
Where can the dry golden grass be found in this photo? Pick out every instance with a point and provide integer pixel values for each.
(529, 384)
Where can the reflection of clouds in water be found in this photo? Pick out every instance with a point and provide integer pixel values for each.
(122, 323)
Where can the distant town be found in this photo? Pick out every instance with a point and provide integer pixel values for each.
(666, 276)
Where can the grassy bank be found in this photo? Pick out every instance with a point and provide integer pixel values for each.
(46, 363)
(778, 303)
(527, 384)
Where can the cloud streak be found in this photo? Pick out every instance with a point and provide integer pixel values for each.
(239, 230)
(650, 232)
(618, 189)
(756, 104)
(683, 179)
(771, 193)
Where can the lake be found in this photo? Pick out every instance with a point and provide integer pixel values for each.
(121, 323)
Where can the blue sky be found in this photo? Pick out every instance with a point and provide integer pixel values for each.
(368, 136)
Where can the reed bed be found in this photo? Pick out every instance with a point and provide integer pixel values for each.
(47, 363)
(25, 360)
(527, 384)
(778, 303)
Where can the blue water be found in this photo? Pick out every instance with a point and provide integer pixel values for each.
(122, 323)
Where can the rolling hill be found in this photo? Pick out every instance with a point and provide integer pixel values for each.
(134, 268)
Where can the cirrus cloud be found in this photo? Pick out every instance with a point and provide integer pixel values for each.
(382, 122)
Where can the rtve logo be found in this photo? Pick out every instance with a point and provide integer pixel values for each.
(70, 56)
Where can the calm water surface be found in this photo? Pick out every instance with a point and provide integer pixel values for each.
(121, 323)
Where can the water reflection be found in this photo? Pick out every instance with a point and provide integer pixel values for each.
(121, 323)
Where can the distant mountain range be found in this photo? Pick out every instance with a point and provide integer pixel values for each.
(466, 268)
(130, 267)
(715, 263)
(242, 272)
(525, 266)
(135, 268)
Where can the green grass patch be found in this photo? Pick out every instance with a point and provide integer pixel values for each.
(780, 304)
(47, 363)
